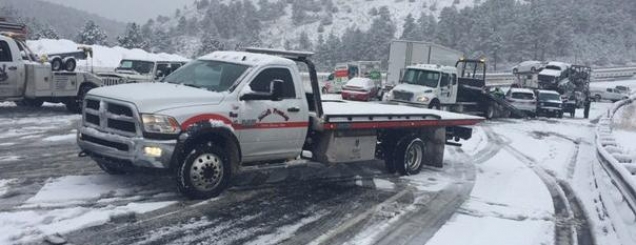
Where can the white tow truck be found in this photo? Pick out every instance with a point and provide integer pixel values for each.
(140, 71)
(231, 111)
(30, 82)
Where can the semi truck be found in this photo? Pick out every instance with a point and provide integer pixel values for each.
(231, 111)
(404, 53)
(30, 82)
(460, 88)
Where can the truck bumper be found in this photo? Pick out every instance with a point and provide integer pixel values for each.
(136, 151)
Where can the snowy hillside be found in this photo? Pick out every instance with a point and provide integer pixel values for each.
(343, 15)
(104, 57)
(354, 13)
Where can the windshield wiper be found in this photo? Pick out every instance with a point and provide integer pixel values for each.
(190, 85)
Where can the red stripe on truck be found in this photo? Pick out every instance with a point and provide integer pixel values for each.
(402, 124)
(215, 117)
(204, 117)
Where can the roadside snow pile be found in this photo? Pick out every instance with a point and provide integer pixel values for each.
(619, 163)
(103, 57)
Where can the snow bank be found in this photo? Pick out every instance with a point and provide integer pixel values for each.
(616, 160)
(104, 57)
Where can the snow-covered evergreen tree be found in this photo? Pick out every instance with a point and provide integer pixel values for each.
(92, 34)
(132, 38)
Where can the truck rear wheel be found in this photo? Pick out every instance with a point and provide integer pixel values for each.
(409, 156)
(489, 113)
(70, 64)
(57, 64)
(75, 105)
(205, 172)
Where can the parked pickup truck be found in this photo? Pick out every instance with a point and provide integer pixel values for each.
(231, 111)
(30, 82)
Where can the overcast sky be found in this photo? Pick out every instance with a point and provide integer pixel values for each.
(126, 10)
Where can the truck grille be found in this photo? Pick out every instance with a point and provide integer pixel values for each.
(109, 81)
(110, 116)
(403, 96)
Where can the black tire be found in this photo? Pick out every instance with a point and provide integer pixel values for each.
(70, 65)
(57, 64)
(409, 155)
(560, 114)
(75, 105)
(435, 105)
(388, 148)
(597, 98)
(33, 103)
(515, 71)
(110, 168)
(205, 172)
(489, 113)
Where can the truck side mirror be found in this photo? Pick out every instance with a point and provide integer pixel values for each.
(276, 88)
(275, 93)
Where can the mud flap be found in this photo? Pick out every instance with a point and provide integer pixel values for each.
(435, 140)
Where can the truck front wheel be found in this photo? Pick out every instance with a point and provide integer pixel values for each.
(205, 172)
(409, 156)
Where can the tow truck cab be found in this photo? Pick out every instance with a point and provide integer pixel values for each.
(30, 82)
(231, 111)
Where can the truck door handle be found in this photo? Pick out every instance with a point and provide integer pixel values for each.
(293, 109)
(12, 68)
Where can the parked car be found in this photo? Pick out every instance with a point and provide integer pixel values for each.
(549, 104)
(360, 88)
(611, 94)
(624, 89)
(532, 66)
(523, 99)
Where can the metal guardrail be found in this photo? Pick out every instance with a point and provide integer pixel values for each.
(622, 172)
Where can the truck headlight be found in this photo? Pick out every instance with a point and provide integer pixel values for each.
(160, 124)
(422, 99)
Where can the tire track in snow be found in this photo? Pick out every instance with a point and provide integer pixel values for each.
(572, 225)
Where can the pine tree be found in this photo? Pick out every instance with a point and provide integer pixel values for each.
(209, 44)
(48, 32)
(92, 34)
(303, 42)
(410, 29)
(299, 15)
(132, 38)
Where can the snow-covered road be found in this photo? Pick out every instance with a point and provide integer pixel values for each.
(514, 182)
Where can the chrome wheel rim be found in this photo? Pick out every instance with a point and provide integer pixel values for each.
(413, 155)
(206, 172)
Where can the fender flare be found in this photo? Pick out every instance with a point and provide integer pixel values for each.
(222, 135)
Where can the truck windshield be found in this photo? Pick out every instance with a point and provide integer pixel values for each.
(136, 66)
(421, 77)
(553, 67)
(546, 97)
(212, 75)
